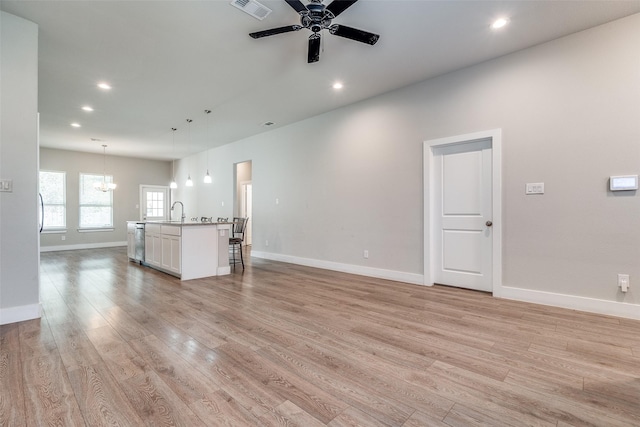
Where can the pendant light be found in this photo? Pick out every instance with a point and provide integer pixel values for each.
(207, 177)
(104, 186)
(173, 184)
(189, 180)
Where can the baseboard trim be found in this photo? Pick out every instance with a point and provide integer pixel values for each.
(572, 302)
(399, 276)
(20, 313)
(591, 305)
(82, 246)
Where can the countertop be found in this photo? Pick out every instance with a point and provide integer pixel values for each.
(181, 223)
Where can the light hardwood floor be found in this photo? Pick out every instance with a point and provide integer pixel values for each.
(285, 345)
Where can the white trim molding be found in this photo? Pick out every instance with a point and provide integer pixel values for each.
(591, 305)
(495, 135)
(81, 246)
(398, 276)
(20, 313)
(572, 302)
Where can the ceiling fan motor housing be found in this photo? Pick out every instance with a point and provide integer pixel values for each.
(317, 19)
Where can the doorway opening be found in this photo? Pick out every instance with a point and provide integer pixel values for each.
(243, 196)
(463, 211)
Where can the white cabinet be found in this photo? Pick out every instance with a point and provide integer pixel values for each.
(148, 248)
(171, 244)
(131, 241)
(190, 250)
(163, 247)
(152, 245)
(156, 243)
(171, 253)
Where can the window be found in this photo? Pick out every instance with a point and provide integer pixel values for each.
(52, 189)
(155, 204)
(96, 207)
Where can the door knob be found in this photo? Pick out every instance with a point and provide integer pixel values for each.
(488, 223)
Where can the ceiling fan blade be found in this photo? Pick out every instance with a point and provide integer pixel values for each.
(354, 34)
(298, 6)
(338, 6)
(274, 31)
(314, 48)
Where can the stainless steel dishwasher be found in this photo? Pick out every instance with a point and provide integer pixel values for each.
(139, 239)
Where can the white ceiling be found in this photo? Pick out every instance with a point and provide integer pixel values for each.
(170, 60)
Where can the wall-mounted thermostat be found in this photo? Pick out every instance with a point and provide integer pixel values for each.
(623, 182)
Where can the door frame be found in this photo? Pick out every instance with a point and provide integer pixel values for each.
(495, 135)
(167, 202)
(243, 211)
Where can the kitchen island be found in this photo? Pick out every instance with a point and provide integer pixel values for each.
(188, 250)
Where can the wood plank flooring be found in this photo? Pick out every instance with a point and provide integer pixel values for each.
(284, 345)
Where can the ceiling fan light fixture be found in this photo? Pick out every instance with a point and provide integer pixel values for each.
(315, 16)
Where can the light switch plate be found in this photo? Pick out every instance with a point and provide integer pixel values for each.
(6, 185)
(534, 188)
(623, 183)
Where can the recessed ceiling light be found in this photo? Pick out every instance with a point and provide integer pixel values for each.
(499, 23)
(87, 108)
(104, 86)
(337, 85)
(75, 125)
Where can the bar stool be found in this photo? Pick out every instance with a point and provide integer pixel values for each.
(237, 237)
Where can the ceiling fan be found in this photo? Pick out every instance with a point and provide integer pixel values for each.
(317, 17)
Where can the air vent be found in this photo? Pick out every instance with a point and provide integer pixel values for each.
(252, 7)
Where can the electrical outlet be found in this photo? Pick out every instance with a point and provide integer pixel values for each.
(623, 282)
(366, 253)
(63, 237)
(266, 243)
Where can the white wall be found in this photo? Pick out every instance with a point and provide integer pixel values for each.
(351, 179)
(19, 256)
(128, 173)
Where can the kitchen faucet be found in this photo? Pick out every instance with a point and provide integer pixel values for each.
(174, 205)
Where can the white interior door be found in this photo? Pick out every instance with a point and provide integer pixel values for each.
(154, 202)
(462, 215)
